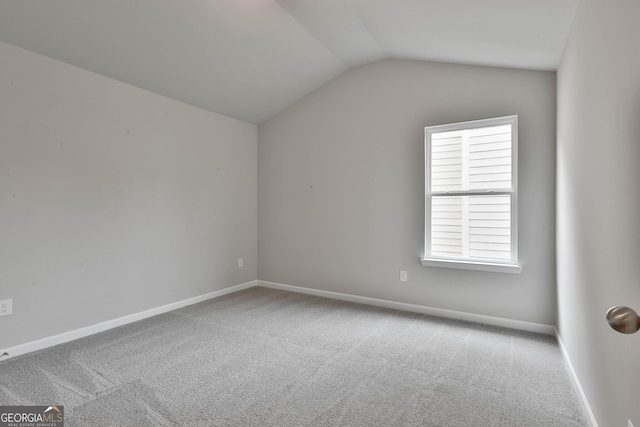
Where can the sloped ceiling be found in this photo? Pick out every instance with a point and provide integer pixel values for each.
(250, 59)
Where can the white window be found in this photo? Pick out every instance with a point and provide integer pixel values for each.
(471, 204)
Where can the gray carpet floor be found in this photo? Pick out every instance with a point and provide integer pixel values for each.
(262, 357)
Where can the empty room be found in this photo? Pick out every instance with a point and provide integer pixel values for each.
(320, 213)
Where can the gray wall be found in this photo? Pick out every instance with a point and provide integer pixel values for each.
(598, 239)
(341, 186)
(113, 200)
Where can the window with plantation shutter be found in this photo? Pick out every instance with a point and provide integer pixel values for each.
(471, 195)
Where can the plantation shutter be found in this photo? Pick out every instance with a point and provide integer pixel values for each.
(471, 191)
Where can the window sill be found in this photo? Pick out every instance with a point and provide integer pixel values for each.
(469, 265)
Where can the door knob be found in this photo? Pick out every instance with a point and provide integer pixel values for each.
(623, 319)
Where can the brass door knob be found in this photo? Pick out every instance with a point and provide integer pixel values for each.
(623, 319)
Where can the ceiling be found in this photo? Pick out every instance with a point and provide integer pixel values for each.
(250, 59)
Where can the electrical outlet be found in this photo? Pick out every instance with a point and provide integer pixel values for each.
(403, 275)
(6, 307)
(240, 262)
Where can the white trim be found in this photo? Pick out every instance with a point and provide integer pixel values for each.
(114, 323)
(451, 314)
(575, 381)
(468, 265)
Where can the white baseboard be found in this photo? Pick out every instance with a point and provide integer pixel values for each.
(110, 324)
(451, 314)
(576, 381)
(478, 318)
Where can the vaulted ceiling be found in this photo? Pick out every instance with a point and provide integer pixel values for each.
(250, 59)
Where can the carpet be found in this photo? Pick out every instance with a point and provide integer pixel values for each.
(263, 357)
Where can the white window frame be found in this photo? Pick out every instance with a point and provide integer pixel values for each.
(503, 266)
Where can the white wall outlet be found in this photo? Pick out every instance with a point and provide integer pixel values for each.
(6, 307)
(403, 275)
(240, 262)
